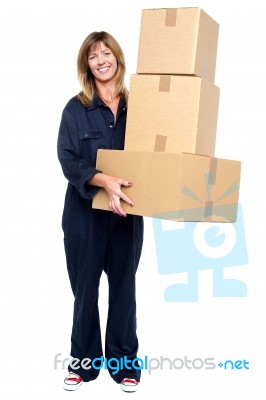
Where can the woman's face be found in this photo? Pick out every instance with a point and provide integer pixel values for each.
(102, 63)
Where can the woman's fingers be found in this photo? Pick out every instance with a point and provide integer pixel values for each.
(123, 182)
(122, 195)
(116, 206)
(126, 199)
(115, 195)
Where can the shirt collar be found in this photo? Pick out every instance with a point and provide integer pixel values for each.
(98, 102)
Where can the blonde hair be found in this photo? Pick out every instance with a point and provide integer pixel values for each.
(85, 77)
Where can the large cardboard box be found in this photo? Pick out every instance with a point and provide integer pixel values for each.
(178, 41)
(184, 187)
(172, 114)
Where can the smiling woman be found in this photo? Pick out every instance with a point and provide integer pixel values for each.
(101, 68)
(97, 240)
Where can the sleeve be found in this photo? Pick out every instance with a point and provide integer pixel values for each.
(76, 170)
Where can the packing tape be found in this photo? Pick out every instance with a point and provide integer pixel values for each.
(160, 143)
(165, 83)
(170, 17)
(212, 171)
(208, 209)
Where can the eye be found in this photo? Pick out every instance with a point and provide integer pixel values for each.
(92, 58)
(107, 53)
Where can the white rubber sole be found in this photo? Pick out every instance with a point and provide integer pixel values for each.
(129, 388)
(71, 387)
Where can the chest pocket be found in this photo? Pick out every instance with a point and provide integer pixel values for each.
(90, 134)
(89, 142)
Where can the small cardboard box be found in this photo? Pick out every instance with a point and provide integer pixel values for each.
(172, 114)
(182, 187)
(178, 41)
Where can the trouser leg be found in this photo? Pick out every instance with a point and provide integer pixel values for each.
(85, 260)
(124, 250)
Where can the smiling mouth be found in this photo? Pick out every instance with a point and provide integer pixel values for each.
(103, 69)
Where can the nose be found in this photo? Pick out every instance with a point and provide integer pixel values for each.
(101, 59)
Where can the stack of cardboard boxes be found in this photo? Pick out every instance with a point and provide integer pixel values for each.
(171, 124)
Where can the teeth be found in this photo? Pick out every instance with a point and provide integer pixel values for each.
(103, 69)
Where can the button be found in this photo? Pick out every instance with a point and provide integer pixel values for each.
(111, 126)
(86, 135)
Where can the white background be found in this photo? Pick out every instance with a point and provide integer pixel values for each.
(39, 41)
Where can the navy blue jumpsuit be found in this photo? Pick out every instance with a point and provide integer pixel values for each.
(97, 240)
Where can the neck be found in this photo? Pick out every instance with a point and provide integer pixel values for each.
(108, 97)
(107, 90)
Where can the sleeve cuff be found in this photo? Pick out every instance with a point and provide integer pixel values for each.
(88, 191)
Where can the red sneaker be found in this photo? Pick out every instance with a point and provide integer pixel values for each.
(72, 381)
(129, 385)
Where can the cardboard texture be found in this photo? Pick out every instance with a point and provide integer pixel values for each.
(172, 113)
(182, 187)
(178, 41)
(171, 125)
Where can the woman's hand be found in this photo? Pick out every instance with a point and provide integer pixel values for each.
(113, 189)
(113, 185)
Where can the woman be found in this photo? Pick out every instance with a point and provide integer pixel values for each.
(97, 240)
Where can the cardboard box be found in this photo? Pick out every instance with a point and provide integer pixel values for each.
(172, 114)
(184, 187)
(178, 41)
